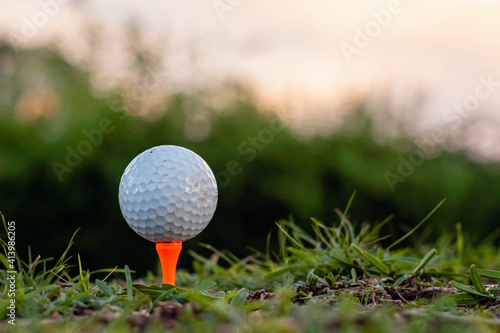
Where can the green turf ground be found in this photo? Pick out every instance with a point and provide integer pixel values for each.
(338, 278)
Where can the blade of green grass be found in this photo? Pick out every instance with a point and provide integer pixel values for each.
(408, 234)
(374, 261)
(65, 253)
(467, 289)
(425, 260)
(205, 286)
(476, 280)
(290, 237)
(109, 274)
(406, 260)
(240, 298)
(489, 273)
(104, 288)
(460, 240)
(128, 278)
(463, 299)
(344, 223)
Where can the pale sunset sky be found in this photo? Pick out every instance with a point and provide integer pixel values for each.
(316, 55)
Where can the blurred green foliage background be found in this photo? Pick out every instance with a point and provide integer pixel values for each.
(47, 105)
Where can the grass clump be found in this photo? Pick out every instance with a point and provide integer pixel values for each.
(339, 277)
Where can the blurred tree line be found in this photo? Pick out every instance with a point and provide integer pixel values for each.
(63, 148)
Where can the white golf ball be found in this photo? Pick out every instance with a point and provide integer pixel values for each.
(168, 194)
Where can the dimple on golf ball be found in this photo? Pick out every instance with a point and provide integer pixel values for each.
(168, 194)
